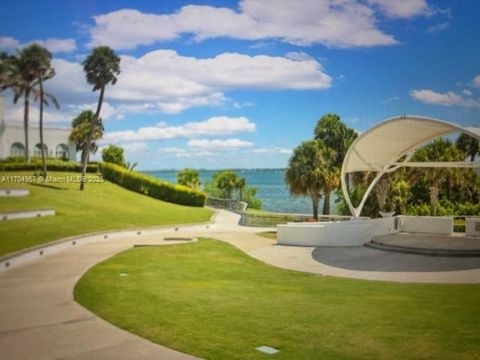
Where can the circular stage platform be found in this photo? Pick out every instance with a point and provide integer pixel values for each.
(426, 244)
(361, 258)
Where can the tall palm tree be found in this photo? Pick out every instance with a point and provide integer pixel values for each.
(335, 134)
(101, 68)
(21, 73)
(41, 59)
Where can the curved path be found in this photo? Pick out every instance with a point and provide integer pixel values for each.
(39, 318)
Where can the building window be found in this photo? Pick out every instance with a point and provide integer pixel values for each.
(17, 149)
(62, 152)
(37, 151)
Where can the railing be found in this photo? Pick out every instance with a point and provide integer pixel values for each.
(229, 204)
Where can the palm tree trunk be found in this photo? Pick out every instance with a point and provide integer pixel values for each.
(315, 207)
(90, 135)
(44, 162)
(326, 203)
(25, 123)
(434, 191)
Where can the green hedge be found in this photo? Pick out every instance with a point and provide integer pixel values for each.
(52, 165)
(151, 186)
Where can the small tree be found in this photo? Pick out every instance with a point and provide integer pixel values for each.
(227, 182)
(81, 127)
(114, 154)
(304, 175)
(189, 177)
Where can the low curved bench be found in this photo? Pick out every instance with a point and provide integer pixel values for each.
(13, 192)
(13, 215)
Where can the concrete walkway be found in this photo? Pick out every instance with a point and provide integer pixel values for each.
(39, 318)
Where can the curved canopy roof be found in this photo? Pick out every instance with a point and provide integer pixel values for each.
(386, 143)
(389, 145)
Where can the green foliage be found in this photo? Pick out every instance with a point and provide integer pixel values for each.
(249, 194)
(228, 185)
(150, 186)
(189, 177)
(53, 165)
(312, 172)
(101, 67)
(113, 154)
(81, 126)
(469, 146)
(227, 182)
(335, 135)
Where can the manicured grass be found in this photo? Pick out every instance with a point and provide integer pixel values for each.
(102, 206)
(211, 300)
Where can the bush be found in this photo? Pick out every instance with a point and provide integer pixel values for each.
(150, 186)
(52, 165)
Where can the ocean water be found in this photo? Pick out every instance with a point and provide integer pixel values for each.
(271, 188)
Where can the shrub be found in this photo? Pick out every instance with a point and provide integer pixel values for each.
(150, 186)
(52, 165)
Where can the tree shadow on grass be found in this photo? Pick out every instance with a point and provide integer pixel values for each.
(53, 187)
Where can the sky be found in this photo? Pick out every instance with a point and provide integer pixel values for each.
(239, 84)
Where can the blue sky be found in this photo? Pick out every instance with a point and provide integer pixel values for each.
(225, 84)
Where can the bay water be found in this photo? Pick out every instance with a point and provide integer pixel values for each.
(271, 188)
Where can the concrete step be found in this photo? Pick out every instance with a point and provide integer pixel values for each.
(422, 251)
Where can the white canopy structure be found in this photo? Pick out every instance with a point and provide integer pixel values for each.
(389, 145)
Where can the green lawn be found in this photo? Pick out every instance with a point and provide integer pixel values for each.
(268, 234)
(211, 300)
(102, 206)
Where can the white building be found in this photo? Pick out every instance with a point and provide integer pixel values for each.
(12, 139)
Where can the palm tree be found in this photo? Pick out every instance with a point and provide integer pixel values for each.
(435, 178)
(81, 126)
(41, 58)
(335, 134)
(22, 73)
(309, 170)
(189, 177)
(469, 146)
(101, 68)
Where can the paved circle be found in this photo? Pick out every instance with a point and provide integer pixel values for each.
(365, 259)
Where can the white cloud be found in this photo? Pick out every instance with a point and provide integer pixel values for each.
(134, 147)
(274, 150)
(334, 23)
(447, 99)
(183, 153)
(467, 92)
(402, 8)
(476, 81)
(219, 144)
(54, 45)
(214, 126)
(435, 29)
(164, 81)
